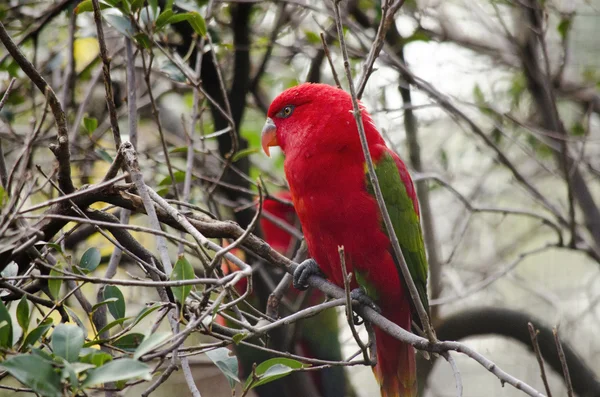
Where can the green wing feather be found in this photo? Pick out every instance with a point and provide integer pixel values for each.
(405, 221)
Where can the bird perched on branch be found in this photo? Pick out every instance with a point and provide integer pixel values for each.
(326, 170)
(315, 337)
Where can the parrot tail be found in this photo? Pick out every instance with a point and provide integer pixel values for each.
(396, 369)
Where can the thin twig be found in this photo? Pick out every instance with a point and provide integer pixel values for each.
(456, 372)
(61, 149)
(328, 55)
(563, 363)
(349, 312)
(423, 316)
(110, 98)
(533, 333)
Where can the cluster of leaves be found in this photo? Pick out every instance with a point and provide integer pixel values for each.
(51, 363)
(54, 359)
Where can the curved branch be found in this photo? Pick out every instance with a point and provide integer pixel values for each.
(513, 324)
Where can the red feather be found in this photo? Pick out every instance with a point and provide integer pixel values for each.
(325, 168)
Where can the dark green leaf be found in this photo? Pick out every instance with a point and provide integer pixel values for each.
(67, 341)
(136, 5)
(183, 270)
(36, 373)
(37, 333)
(76, 318)
(226, 363)
(150, 343)
(122, 369)
(163, 19)
(120, 23)
(129, 342)
(273, 369)
(6, 329)
(23, 314)
(104, 155)
(55, 284)
(418, 35)
(117, 308)
(564, 26)
(172, 71)
(154, 6)
(143, 40)
(104, 302)
(90, 259)
(179, 178)
(144, 312)
(109, 326)
(193, 18)
(578, 129)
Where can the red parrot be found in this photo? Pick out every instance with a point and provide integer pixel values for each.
(327, 174)
(317, 336)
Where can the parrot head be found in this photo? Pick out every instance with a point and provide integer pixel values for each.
(312, 116)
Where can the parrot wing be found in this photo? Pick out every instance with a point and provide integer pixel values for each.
(401, 202)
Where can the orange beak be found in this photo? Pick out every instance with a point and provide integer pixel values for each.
(269, 136)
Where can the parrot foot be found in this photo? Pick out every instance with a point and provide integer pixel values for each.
(359, 295)
(302, 273)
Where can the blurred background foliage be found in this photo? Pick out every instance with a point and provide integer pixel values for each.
(464, 91)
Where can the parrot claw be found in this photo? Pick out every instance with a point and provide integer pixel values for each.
(359, 295)
(302, 273)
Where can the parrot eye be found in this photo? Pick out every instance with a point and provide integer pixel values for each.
(286, 112)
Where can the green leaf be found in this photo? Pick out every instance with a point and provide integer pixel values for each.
(37, 333)
(154, 6)
(73, 316)
(94, 356)
(244, 153)
(23, 314)
(273, 369)
(120, 23)
(117, 308)
(136, 5)
(87, 6)
(3, 196)
(104, 155)
(312, 37)
(193, 18)
(6, 331)
(108, 327)
(226, 363)
(104, 302)
(418, 35)
(564, 26)
(55, 284)
(179, 178)
(172, 71)
(151, 342)
(144, 312)
(67, 341)
(237, 338)
(129, 342)
(163, 19)
(578, 129)
(90, 124)
(90, 259)
(122, 369)
(36, 373)
(143, 40)
(183, 270)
